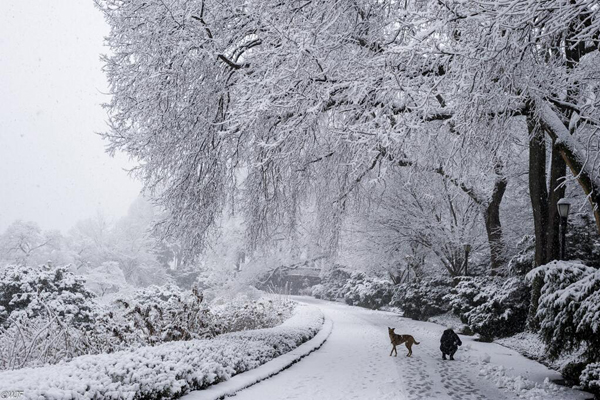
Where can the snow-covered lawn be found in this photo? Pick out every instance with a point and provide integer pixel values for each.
(167, 370)
(354, 363)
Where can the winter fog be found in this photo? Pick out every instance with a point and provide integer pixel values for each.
(300, 199)
(53, 168)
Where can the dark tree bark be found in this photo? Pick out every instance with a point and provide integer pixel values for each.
(490, 206)
(493, 225)
(538, 191)
(556, 191)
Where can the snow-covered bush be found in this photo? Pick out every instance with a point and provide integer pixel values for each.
(40, 340)
(242, 314)
(590, 378)
(583, 240)
(153, 315)
(524, 260)
(569, 308)
(318, 291)
(166, 371)
(422, 299)
(571, 371)
(29, 292)
(355, 288)
(48, 315)
(369, 292)
(332, 284)
(45, 314)
(492, 307)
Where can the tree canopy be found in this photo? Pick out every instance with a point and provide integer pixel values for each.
(274, 108)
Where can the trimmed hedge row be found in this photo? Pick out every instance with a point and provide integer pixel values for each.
(165, 371)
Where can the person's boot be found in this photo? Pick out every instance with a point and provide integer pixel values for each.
(443, 356)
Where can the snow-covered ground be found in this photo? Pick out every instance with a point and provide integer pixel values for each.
(354, 363)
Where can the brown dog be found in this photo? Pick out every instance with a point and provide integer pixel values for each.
(396, 339)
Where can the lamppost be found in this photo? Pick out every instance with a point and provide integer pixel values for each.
(563, 210)
(467, 251)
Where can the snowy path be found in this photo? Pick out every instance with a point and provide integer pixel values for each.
(354, 363)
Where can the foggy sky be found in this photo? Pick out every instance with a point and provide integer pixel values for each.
(53, 168)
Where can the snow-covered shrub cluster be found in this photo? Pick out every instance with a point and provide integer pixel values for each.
(242, 314)
(422, 299)
(165, 371)
(355, 288)
(332, 284)
(418, 300)
(45, 314)
(524, 260)
(492, 307)
(590, 378)
(48, 315)
(30, 292)
(369, 292)
(569, 317)
(569, 308)
(153, 315)
(584, 241)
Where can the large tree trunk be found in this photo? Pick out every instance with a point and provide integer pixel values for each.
(573, 155)
(494, 227)
(556, 191)
(538, 192)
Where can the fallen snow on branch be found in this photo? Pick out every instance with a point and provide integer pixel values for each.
(164, 371)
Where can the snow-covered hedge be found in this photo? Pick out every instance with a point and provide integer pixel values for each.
(32, 291)
(165, 371)
(590, 378)
(47, 316)
(333, 282)
(355, 288)
(569, 314)
(159, 314)
(492, 307)
(369, 292)
(422, 299)
(569, 308)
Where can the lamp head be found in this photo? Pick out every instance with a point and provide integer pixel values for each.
(563, 207)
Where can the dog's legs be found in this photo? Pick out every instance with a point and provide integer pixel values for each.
(409, 347)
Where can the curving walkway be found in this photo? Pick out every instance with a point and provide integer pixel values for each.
(354, 363)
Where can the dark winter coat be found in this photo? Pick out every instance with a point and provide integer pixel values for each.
(449, 342)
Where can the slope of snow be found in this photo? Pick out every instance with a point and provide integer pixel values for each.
(354, 363)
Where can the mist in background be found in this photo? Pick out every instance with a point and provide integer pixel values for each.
(53, 168)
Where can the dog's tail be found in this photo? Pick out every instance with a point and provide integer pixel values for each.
(417, 342)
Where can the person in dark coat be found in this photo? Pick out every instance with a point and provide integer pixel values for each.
(449, 343)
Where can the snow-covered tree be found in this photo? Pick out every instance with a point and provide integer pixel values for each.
(25, 243)
(310, 99)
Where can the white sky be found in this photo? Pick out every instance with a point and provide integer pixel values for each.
(53, 168)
